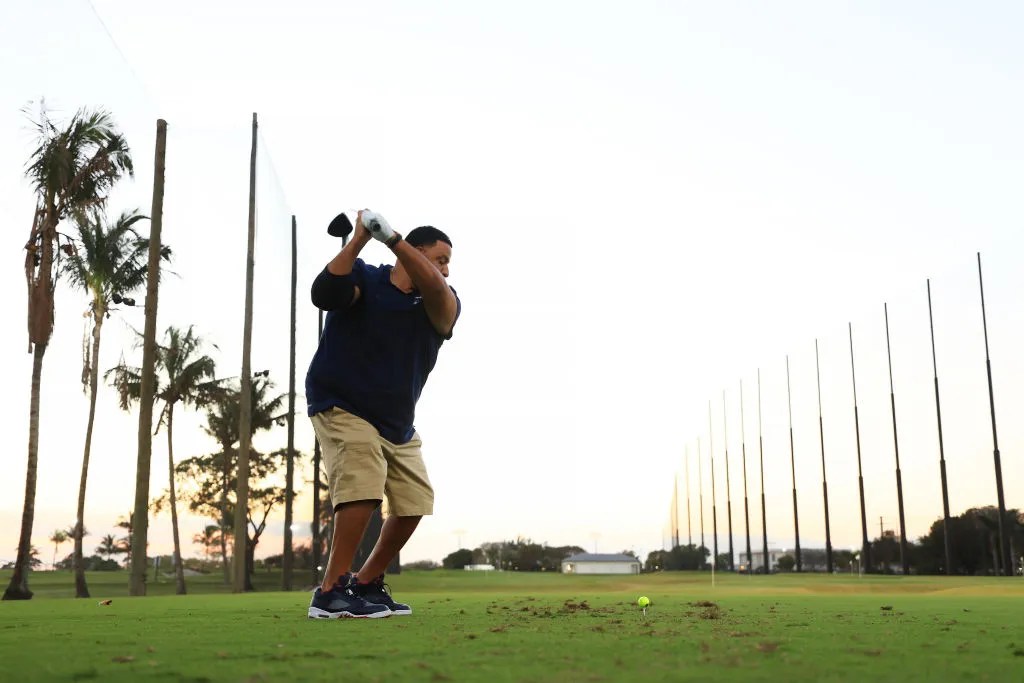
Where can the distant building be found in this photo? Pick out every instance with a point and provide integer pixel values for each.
(757, 561)
(479, 567)
(594, 563)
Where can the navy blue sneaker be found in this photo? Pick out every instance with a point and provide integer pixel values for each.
(379, 593)
(342, 601)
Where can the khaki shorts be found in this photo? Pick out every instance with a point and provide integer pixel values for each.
(363, 465)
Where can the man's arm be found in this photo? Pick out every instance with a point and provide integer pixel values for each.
(334, 287)
(438, 297)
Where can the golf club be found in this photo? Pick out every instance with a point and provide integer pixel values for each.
(341, 226)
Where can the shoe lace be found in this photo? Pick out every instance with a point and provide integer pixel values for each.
(352, 587)
(383, 587)
(377, 586)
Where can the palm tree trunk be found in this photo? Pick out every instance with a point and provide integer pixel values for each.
(250, 562)
(81, 589)
(241, 581)
(1013, 555)
(179, 570)
(18, 588)
(224, 516)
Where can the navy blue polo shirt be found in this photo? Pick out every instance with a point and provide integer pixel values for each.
(374, 357)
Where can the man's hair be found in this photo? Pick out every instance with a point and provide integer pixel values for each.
(427, 236)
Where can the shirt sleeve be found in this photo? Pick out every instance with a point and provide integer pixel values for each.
(458, 312)
(332, 292)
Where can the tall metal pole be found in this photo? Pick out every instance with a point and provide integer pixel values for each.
(288, 555)
(245, 404)
(746, 506)
(792, 466)
(824, 479)
(675, 511)
(714, 504)
(728, 486)
(904, 554)
(760, 445)
(865, 548)
(1004, 536)
(942, 453)
(700, 493)
(140, 519)
(686, 464)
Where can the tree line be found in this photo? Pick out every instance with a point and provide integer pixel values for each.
(521, 554)
(974, 537)
(72, 170)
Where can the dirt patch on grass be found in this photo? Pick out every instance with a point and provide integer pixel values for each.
(570, 606)
(709, 610)
(712, 612)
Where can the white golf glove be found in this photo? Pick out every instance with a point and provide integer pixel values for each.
(379, 228)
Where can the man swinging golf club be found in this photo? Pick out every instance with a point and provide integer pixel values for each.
(381, 336)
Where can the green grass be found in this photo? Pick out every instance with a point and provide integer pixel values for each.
(472, 626)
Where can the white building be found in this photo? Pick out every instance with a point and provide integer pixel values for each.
(592, 563)
(757, 561)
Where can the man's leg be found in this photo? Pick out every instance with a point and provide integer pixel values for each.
(350, 521)
(334, 602)
(409, 497)
(356, 474)
(394, 534)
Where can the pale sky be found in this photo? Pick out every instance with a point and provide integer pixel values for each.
(648, 202)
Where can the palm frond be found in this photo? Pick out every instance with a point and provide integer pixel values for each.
(110, 260)
(77, 165)
(222, 414)
(127, 380)
(188, 375)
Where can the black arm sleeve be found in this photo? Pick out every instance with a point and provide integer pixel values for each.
(333, 292)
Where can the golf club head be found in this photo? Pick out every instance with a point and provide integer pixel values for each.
(340, 226)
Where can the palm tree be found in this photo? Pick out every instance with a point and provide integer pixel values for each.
(108, 546)
(73, 534)
(111, 263)
(124, 544)
(222, 424)
(33, 558)
(187, 378)
(57, 538)
(72, 169)
(209, 539)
